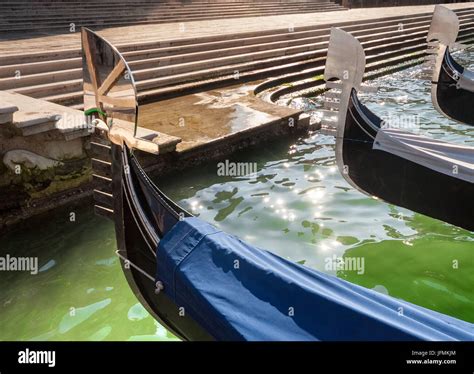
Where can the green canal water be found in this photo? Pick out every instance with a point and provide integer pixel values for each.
(296, 205)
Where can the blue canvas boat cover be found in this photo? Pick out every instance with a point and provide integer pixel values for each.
(236, 291)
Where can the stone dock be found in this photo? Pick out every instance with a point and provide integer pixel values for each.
(211, 84)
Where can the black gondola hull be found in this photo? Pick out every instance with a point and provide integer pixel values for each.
(455, 103)
(135, 241)
(402, 182)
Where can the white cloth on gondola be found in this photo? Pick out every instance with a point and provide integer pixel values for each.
(451, 159)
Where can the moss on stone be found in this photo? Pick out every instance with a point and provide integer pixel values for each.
(8, 131)
(61, 184)
(39, 183)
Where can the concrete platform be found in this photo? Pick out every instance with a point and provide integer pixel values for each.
(15, 43)
(38, 116)
(213, 115)
(178, 66)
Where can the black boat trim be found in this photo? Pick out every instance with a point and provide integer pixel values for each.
(150, 237)
(138, 214)
(452, 85)
(362, 112)
(371, 163)
(124, 258)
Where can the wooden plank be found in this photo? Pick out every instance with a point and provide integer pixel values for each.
(101, 151)
(102, 168)
(104, 212)
(103, 199)
(102, 183)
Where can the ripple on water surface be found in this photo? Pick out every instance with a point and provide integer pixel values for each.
(296, 205)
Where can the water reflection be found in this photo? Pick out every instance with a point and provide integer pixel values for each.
(301, 208)
(296, 205)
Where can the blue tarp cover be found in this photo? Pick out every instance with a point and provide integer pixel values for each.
(239, 292)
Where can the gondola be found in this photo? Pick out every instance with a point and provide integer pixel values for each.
(424, 175)
(204, 284)
(452, 86)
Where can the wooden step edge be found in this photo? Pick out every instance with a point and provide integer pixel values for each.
(104, 199)
(104, 212)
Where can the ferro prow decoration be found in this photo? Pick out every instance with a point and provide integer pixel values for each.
(182, 269)
(452, 85)
(123, 190)
(425, 175)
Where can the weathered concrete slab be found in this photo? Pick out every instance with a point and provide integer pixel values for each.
(6, 112)
(208, 116)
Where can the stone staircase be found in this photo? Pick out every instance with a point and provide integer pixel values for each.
(381, 58)
(49, 15)
(176, 67)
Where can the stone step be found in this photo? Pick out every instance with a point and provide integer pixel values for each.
(28, 118)
(221, 48)
(162, 93)
(7, 111)
(43, 56)
(157, 4)
(47, 77)
(199, 61)
(18, 22)
(40, 78)
(56, 88)
(189, 70)
(114, 18)
(69, 2)
(35, 116)
(138, 7)
(286, 47)
(205, 42)
(292, 38)
(156, 77)
(278, 34)
(149, 89)
(73, 99)
(144, 10)
(120, 5)
(65, 26)
(385, 59)
(118, 9)
(32, 123)
(20, 70)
